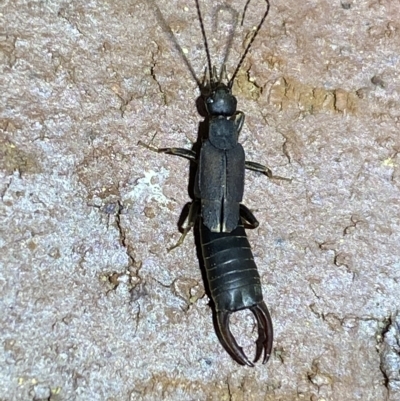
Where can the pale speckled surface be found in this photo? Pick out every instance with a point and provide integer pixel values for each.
(93, 308)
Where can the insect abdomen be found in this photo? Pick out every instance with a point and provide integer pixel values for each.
(232, 274)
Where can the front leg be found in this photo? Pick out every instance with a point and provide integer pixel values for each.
(238, 121)
(253, 166)
(186, 153)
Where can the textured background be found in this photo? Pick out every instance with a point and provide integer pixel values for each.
(93, 307)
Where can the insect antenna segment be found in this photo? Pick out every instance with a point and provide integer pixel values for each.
(214, 79)
(246, 51)
(203, 32)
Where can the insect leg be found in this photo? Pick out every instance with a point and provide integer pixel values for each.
(239, 121)
(248, 216)
(191, 220)
(253, 166)
(186, 153)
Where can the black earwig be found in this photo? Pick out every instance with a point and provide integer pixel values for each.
(232, 275)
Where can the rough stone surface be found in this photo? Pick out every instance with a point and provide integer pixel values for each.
(93, 307)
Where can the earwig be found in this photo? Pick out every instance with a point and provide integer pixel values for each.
(232, 275)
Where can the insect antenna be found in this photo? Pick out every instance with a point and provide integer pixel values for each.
(214, 78)
(203, 32)
(167, 29)
(230, 83)
(234, 14)
(244, 12)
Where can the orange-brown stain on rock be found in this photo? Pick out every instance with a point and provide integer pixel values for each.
(12, 158)
(94, 173)
(187, 289)
(286, 93)
(247, 87)
(31, 245)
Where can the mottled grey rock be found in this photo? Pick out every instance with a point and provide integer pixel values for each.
(93, 307)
